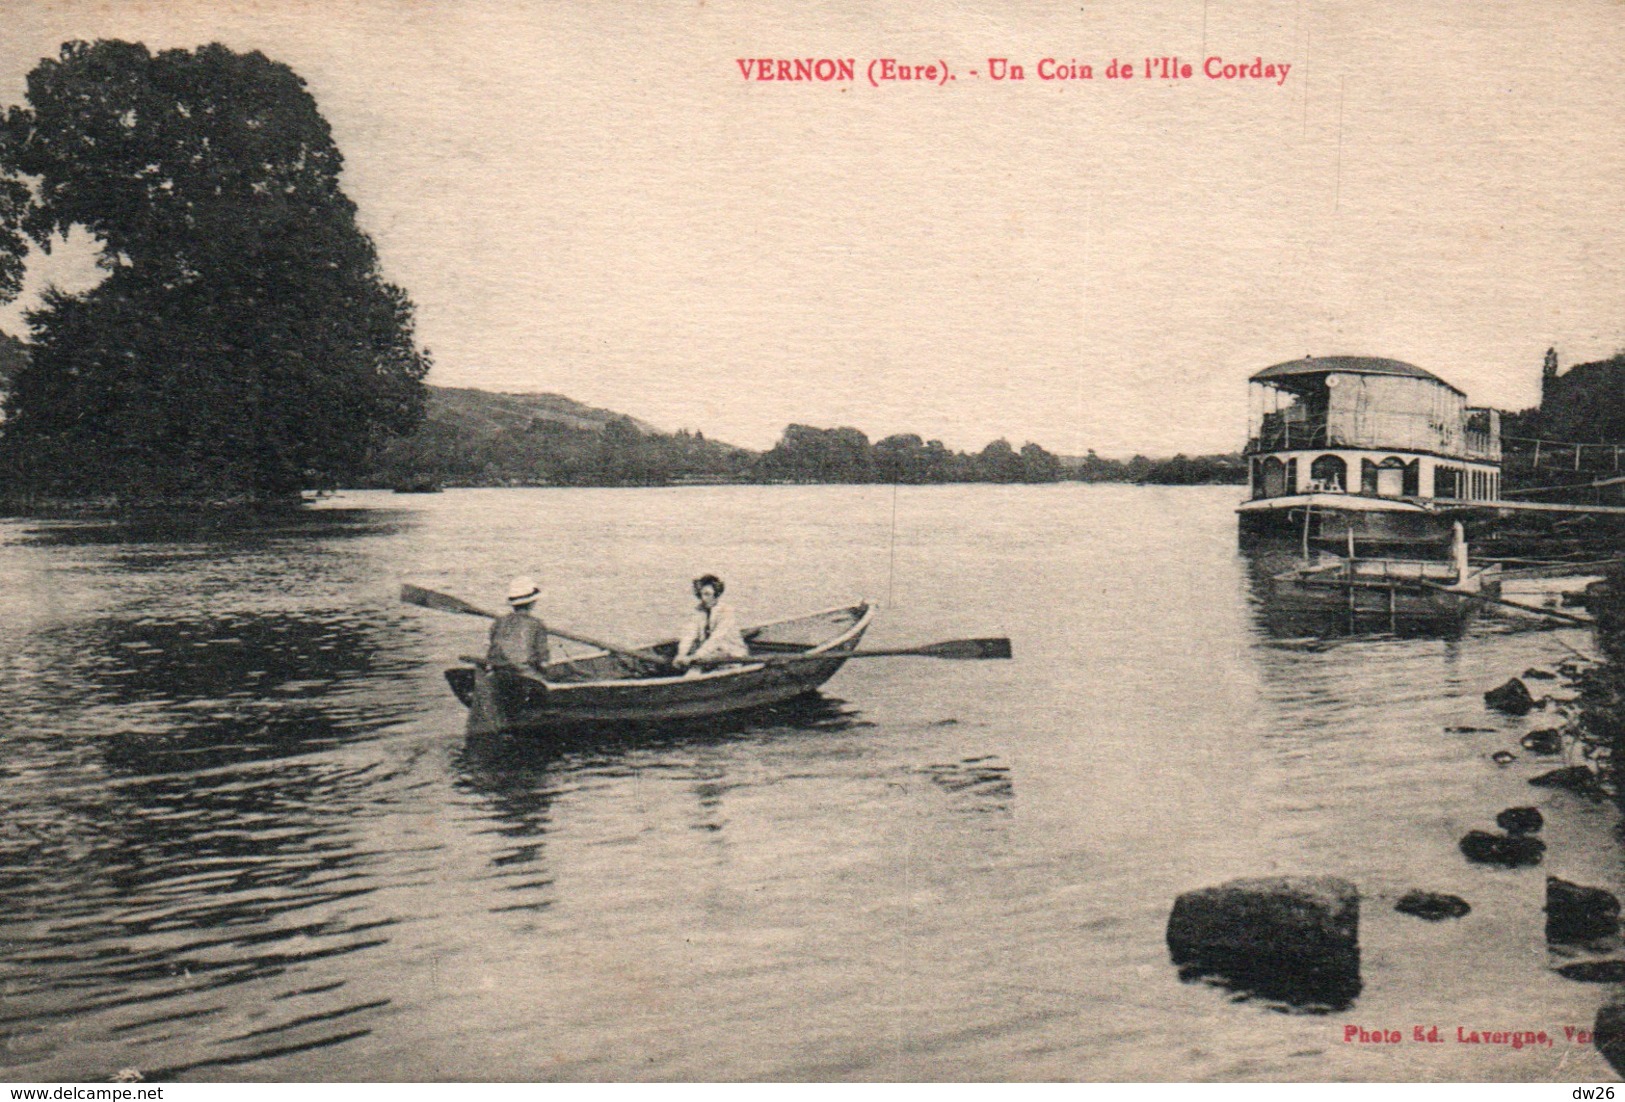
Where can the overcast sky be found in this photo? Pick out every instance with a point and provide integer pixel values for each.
(590, 199)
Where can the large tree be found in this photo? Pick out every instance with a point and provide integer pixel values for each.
(244, 340)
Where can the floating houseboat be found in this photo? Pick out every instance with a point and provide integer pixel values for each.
(1364, 447)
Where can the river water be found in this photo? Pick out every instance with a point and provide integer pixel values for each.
(244, 837)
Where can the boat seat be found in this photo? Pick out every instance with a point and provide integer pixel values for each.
(759, 647)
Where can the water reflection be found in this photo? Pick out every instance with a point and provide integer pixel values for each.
(219, 529)
(160, 694)
(979, 785)
(519, 778)
(1284, 990)
(507, 756)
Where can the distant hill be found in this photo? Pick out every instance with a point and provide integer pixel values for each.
(484, 411)
(479, 438)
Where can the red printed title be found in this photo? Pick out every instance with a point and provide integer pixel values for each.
(1002, 70)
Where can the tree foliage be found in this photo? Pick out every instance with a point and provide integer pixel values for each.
(808, 454)
(244, 341)
(1587, 404)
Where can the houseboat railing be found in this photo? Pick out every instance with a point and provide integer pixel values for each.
(1481, 445)
(1572, 455)
(1278, 435)
(1290, 435)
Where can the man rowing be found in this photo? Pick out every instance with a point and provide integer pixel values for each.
(519, 639)
(712, 634)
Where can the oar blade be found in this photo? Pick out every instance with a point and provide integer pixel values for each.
(969, 649)
(440, 602)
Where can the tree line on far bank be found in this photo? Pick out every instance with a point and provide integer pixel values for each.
(455, 449)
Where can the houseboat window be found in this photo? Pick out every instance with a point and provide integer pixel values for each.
(1446, 482)
(1413, 478)
(1274, 477)
(1385, 479)
(1329, 473)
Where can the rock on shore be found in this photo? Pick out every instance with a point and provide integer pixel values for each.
(1575, 912)
(1433, 906)
(1521, 820)
(1296, 938)
(1502, 849)
(1512, 698)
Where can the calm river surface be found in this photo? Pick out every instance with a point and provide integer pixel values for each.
(243, 836)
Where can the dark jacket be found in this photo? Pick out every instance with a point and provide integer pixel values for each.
(518, 639)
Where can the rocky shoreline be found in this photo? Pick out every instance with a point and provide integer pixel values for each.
(1296, 939)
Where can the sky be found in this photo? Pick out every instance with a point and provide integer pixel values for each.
(591, 199)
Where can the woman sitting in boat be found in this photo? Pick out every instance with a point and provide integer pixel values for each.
(519, 639)
(712, 634)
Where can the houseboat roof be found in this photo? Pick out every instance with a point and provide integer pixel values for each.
(1348, 365)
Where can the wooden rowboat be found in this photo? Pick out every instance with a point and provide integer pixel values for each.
(1397, 595)
(603, 688)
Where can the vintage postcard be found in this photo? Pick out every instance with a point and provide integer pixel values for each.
(840, 541)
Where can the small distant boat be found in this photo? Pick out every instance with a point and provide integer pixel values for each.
(605, 688)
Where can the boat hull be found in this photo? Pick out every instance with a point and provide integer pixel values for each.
(575, 694)
(1332, 519)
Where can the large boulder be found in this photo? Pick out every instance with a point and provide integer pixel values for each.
(1512, 698)
(1502, 849)
(1575, 912)
(1433, 906)
(1521, 820)
(1290, 937)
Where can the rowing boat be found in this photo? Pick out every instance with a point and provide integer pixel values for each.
(788, 658)
(1410, 596)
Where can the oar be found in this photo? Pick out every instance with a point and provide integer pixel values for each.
(1537, 610)
(445, 602)
(959, 649)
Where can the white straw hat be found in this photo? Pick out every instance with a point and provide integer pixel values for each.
(522, 591)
